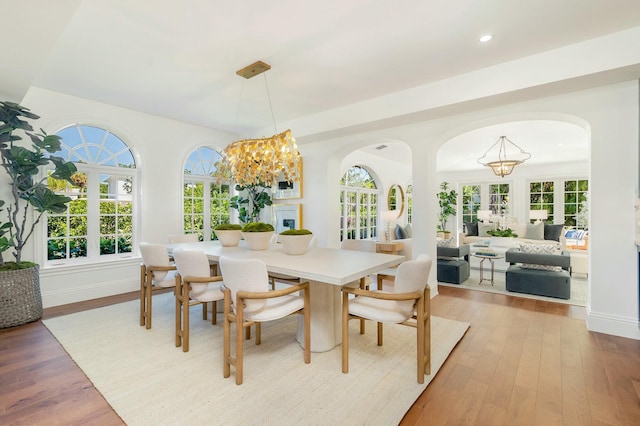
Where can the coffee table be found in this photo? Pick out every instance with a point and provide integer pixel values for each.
(491, 259)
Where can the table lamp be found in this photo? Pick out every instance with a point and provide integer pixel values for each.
(388, 217)
(538, 215)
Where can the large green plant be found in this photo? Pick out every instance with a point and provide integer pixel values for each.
(249, 207)
(25, 167)
(447, 201)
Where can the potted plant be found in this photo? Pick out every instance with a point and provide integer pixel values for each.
(20, 297)
(258, 235)
(229, 234)
(447, 201)
(295, 241)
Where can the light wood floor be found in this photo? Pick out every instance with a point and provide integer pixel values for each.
(522, 362)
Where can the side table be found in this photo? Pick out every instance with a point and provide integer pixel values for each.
(388, 248)
(491, 260)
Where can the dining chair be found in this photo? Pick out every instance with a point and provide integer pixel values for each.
(156, 273)
(408, 304)
(248, 301)
(194, 285)
(365, 282)
(191, 238)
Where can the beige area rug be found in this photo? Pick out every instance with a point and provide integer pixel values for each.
(578, 287)
(148, 381)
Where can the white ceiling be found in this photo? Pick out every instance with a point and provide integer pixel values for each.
(178, 59)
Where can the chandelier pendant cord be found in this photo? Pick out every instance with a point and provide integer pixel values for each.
(235, 125)
(273, 117)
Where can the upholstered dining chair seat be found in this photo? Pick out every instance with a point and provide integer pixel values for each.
(274, 309)
(385, 311)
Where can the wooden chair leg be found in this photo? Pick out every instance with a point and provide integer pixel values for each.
(258, 333)
(363, 286)
(345, 333)
(214, 312)
(204, 311)
(185, 318)
(239, 347)
(178, 297)
(379, 334)
(148, 301)
(227, 337)
(307, 326)
(143, 274)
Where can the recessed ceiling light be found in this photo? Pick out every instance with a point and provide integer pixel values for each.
(486, 37)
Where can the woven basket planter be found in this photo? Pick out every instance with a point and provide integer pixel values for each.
(20, 297)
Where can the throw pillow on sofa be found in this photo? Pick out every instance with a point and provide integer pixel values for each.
(472, 229)
(553, 232)
(408, 230)
(445, 242)
(401, 234)
(535, 231)
(540, 249)
(484, 227)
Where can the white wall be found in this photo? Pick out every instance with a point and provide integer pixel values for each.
(610, 114)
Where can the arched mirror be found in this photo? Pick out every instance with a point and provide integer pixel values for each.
(395, 199)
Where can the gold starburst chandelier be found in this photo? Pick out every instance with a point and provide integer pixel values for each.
(262, 161)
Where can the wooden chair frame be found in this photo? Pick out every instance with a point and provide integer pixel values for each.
(147, 289)
(242, 323)
(184, 302)
(422, 317)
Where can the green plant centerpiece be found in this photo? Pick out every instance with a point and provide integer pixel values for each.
(447, 201)
(228, 227)
(229, 234)
(296, 241)
(296, 232)
(508, 233)
(258, 235)
(26, 167)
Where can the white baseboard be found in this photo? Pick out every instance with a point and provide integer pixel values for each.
(614, 325)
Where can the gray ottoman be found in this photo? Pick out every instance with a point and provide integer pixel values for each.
(453, 271)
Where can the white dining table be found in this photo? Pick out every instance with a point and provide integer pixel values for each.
(326, 269)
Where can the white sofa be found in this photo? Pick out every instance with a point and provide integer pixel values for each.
(520, 230)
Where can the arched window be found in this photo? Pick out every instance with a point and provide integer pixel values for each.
(99, 222)
(358, 205)
(205, 200)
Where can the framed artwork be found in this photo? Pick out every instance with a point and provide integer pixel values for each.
(284, 190)
(286, 216)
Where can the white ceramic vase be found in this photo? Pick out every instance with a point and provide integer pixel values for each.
(229, 237)
(296, 244)
(258, 240)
